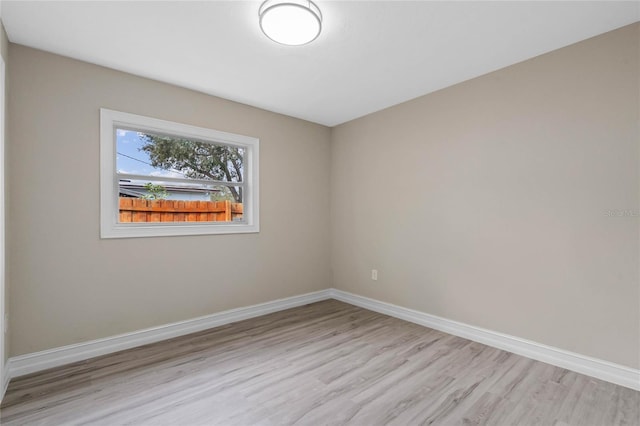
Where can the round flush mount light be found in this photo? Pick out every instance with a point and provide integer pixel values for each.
(290, 22)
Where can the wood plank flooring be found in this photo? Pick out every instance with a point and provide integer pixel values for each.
(328, 363)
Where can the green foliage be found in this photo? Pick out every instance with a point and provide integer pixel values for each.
(155, 192)
(222, 195)
(196, 160)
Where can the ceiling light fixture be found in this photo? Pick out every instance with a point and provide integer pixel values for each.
(290, 22)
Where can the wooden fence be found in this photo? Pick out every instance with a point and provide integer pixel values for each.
(140, 210)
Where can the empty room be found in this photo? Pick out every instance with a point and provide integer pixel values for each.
(320, 213)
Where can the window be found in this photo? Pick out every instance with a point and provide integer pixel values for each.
(159, 178)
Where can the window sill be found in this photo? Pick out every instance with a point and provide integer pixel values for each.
(139, 230)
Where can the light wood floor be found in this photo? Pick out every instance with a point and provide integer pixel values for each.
(321, 364)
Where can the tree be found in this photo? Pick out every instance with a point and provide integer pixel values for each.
(155, 192)
(196, 160)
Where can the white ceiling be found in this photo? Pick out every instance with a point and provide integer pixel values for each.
(370, 55)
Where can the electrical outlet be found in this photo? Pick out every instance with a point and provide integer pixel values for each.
(374, 274)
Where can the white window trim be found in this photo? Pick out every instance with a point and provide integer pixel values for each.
(109, 207)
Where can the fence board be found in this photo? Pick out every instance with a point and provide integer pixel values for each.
(141, 210)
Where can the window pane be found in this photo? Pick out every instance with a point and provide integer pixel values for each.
(165, 156)
(157, 201)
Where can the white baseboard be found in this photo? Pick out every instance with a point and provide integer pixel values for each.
(38, 361)
(600, 369)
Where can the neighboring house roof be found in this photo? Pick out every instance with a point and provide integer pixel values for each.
(137, 190)
(124, 192)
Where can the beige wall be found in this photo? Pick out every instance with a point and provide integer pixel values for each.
(4, 51)
(485, 202)
(68, 286)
